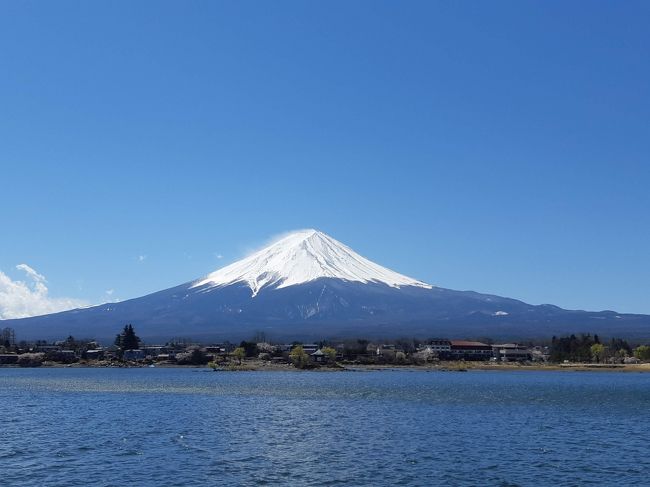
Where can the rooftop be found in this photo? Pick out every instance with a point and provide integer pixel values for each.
(465, 343)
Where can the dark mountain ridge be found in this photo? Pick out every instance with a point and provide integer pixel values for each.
(325, 308)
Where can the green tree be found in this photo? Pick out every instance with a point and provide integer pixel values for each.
(299, 357)
(642, 352)
(597, 352)
(198, 357)
(250, 348)
(330, 354)
(239, 353)
(572, 348)
(620, 344)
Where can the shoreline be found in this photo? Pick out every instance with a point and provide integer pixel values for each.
(481, 366)
(260, 366)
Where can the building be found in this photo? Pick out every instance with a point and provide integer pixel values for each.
(386, 351)
(310, 348)
(435, 348)
(153, 351)
(511, 352)
(133, 355)
(45, 348)
(216, 349)
(112, 352)
(540, 354)
(95, 354)
(318, 356)
(468, 350)
(165, 357)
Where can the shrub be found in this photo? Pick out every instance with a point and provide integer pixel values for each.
(195, 357)
(642, 352)
(330, 354)
(30, 359)
(299, 357)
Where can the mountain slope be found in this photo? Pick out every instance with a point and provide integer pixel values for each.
(308, 285)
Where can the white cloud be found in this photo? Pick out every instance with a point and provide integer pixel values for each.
(109, 297)
(38, 278)
(218, 256)
(21, 299)
(142, 258)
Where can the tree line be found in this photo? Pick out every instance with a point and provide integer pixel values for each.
(588, 348)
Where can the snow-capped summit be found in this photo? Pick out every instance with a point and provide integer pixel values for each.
(301, 257)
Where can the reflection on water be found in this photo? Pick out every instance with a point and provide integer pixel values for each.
(168, 427)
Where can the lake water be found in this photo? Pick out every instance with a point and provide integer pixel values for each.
(177, 427)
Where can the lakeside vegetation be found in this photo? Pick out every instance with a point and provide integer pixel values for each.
(129, 350)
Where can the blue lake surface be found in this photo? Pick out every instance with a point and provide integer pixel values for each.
(177, 427)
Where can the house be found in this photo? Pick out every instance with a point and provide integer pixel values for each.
(152, 351)
(318, 356)
(468, 350)
(95, 354)
(111, 352)
(308, 348)
(540, 354)
(133, 355)
(165, 357)
(511, 352)
(388, 351)
(215, 349)
(371, 349)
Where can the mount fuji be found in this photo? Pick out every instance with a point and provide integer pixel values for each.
(308, 285)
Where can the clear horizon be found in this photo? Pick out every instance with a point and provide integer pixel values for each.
(500, 148)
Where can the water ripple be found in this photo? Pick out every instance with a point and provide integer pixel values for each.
(169, 427)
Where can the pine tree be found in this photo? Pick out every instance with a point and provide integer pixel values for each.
(127, 340)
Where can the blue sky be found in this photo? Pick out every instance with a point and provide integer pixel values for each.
(496, 146)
